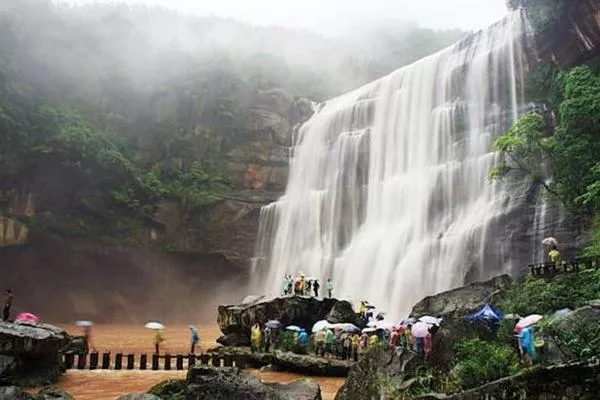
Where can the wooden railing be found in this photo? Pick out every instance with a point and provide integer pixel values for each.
(552, 268)
(120, 361)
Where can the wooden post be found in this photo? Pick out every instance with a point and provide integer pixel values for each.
(240, 361)
(105, 360)
(130, 361)
(69, 360)
(155, 358)
(532, 268)
(143, 362)
(216, 360)
(94, 360)
(167, 362)
(204, 359)
(538, 269)
(81, 361)
(228, 360)
(179, 362)
(191, 360)
(119, 361)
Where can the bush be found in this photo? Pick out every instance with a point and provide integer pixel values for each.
(578, 339)
(481, 362)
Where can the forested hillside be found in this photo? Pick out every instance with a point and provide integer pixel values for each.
(109, 109)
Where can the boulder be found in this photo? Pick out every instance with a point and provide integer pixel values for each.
(78, 345)
(304, 389)
(380, 369)
(454, 306)
(206, 383)
(30, 355)
(170, 389)
(293, 310)
(14, 393)
(53, 393)
(234, 339)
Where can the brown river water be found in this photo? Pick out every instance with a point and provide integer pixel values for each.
(109, 385)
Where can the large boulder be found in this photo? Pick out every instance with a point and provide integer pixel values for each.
(293, 310)
(140, 396)
(206, 383)
(30, 355)
(53, 393)
(14, 393)
(234, 339)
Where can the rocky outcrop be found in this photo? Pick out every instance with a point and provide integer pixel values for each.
(54, 393)
(558, 382)
(293, 310)
(47, 393)
(378, 371)
(205, 383)
(140, 396)
(289, 362)
(454, 306)
(29, 355)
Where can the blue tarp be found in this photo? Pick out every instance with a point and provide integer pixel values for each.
(487, 313)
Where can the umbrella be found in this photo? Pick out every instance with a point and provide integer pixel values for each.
(512, 316)
(347, 327)
(487, 313)
(550, 241)
(562, 312)
(528, 321)
(420, 329)
(273, 324)
(408, 321)
(27, 318)
(430, 320)
(157, 326)
(294, 328)
(369, 330)
(320, 325)
(385, 325)
(84, 324)
(370, 306)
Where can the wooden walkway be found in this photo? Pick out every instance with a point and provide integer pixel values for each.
(166, 362)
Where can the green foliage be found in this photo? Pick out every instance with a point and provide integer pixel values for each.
(537, 296)
(578, 339)
(541, 12)
(481, 362)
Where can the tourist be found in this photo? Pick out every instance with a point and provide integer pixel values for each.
(329, 287)
(298, 286)
(362, 310)
(319, 340)
(554, 255)
(302, 284)
(329, 336)
(409, 337)
(303, 338)
(255, 338)
(355, 346)
(268, 337)
(347, 347)
(395, 338)
(8, 299)
(373, 340)
(158, 339)
(316, 287)
(195, 338)
(364, 340)
(402, 336)
(87, 335)
(309, 287)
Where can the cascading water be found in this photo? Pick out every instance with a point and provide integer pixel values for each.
(388, 191)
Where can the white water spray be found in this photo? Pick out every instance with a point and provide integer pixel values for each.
(388, 192)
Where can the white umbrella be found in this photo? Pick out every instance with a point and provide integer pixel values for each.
(369, 330)
(528, 321)
(430, 320)
(155, 326)
(320, 325)
(550, 241)
(385, 325)
(84, 324)
(420, 329)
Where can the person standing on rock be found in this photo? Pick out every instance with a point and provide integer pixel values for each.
(158, 339)
(8, 299)
(329, 287)
(316, 286)
(268, 337)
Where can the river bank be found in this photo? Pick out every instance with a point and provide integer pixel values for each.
(108, 385)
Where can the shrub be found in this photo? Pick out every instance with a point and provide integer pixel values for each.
(480, 362)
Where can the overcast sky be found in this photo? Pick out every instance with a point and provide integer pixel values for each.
(336, 16)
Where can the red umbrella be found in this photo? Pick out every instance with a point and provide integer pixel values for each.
(27, 318)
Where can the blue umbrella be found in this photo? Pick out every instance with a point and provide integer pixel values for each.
(487, 313)
(294, 328)
(273, 324)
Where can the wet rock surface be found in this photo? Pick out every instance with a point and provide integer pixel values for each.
(29, 355)
(293, 310)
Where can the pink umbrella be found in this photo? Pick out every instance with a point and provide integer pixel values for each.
(27, 318)
(420, 329)
(527, 321)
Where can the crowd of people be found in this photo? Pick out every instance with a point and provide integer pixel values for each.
(305, 286)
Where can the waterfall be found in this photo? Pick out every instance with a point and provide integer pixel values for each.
(388, 192)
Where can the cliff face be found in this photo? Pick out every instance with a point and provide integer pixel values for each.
(65, 279)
